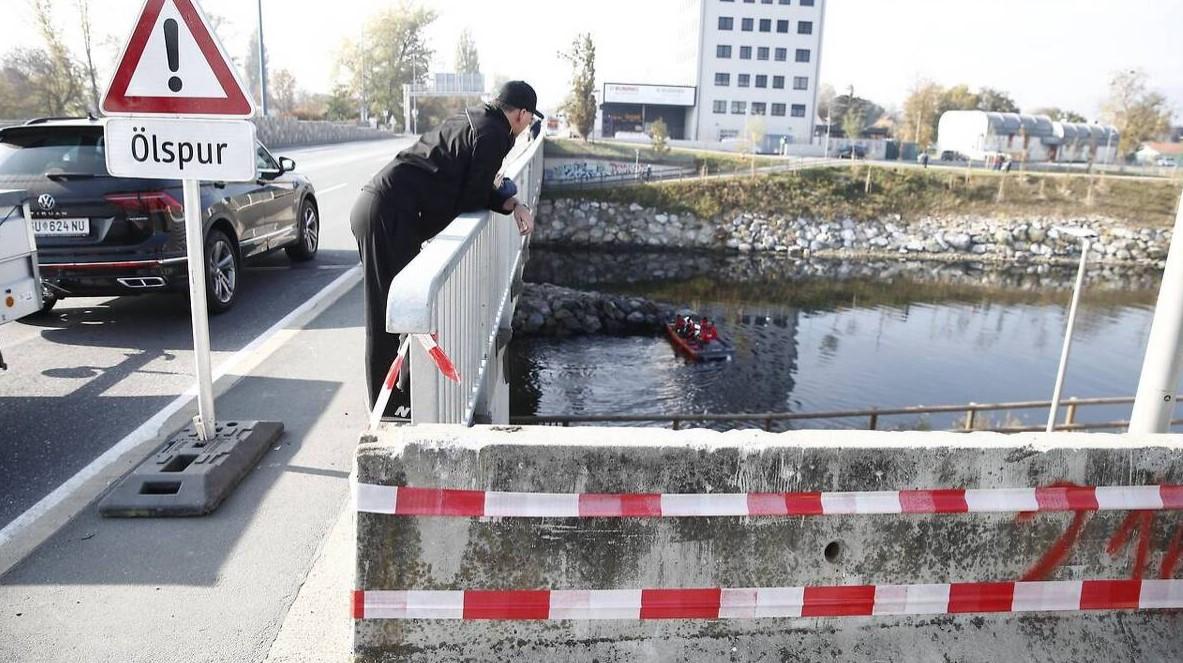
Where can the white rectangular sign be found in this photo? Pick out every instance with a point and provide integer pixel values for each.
(660, 95)
(181, 149)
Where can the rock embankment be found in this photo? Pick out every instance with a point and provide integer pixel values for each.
(574, 222)
(551, 310)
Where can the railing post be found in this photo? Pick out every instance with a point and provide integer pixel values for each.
(768, 424)
(874, 423)
(970, 417)
(1070, 415)
(677, 423)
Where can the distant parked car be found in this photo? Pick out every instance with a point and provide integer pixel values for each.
(1166, 161)
(852, 152)
(953, 155)
(99, 235)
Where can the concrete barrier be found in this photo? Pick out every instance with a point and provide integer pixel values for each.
(278, 132)
(402, 552)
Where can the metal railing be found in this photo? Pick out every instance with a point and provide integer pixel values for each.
(970, 422)
(461, 287)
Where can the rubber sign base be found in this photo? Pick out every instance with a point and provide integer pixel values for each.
(189, 477)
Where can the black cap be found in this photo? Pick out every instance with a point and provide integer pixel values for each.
(519, 94)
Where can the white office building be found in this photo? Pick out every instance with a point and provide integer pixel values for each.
(758, 63)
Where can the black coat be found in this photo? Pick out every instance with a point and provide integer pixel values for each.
(452, 168)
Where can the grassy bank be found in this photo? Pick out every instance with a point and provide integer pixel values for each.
(832, 193)
(714, 161)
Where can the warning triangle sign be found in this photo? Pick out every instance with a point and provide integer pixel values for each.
(173, 65)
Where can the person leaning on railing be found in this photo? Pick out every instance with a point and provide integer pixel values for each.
(450, 171)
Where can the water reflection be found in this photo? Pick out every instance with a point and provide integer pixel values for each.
(821, 337)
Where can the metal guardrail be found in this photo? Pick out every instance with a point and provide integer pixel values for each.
(461, 287)
(970, 422)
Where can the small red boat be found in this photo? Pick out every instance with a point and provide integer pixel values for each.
(719, 349)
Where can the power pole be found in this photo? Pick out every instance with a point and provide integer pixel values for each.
(262, 65)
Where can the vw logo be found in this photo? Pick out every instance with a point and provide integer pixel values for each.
(46, 202)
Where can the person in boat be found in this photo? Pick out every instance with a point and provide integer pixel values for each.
(680, 325)
(707, 331)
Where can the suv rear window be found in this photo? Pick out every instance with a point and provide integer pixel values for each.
(49, 149)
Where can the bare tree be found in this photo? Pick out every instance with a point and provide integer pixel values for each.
(581, 102)
(62, 88)
(88, 50)
(283, 91)
(1138, 113)
(468, 61)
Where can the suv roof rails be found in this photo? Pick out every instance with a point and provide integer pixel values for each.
(43, 120)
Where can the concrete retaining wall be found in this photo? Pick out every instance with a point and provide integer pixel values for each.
(275, 132)
(397, 553)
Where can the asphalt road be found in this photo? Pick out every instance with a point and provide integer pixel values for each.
(82, 379)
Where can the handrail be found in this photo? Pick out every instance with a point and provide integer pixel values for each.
(873, 414)
(460, 287)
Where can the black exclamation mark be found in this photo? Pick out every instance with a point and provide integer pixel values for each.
(174, 54)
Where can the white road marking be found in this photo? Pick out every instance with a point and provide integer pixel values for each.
(331, 189)
(241, 362)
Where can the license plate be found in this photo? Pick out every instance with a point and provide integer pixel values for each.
(61, 227)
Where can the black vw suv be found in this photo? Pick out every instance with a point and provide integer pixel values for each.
(99, 235)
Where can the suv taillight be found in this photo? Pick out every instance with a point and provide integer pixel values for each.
(146, 203)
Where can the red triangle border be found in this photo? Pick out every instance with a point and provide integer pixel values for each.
(116, 101)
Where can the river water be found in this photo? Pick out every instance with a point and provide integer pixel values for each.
(829, 336)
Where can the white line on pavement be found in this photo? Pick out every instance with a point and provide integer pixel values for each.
(240, 362)
(331, 189)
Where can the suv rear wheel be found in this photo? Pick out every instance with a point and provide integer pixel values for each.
(221, 271)
(308, 234)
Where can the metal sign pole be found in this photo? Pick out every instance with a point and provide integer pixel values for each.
(195, 243)
(1160, 369)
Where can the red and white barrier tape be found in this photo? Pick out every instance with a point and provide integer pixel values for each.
(388, 385)
(406, 501)
(755, 603)
(441, 360)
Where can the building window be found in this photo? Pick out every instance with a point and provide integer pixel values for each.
(766, 2)
(798, 110)
(761, 80)
(758, 108)
(804, 27)
(740, 107)
(722, 51)
(782, 54)
(724, 134)
(784, 2)
(762, 53)
(800, 82)
(726, 0)
(743, 81)
(749, 1)
(720, 106)
(782, 26)
(747, 24)
(765, 25)
(745, 52)
(806, 3)
(726, 23)
(778, 110)
(722, 80)
(802, 55)
(778, 82)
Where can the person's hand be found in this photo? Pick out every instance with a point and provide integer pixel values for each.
(524, 218)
